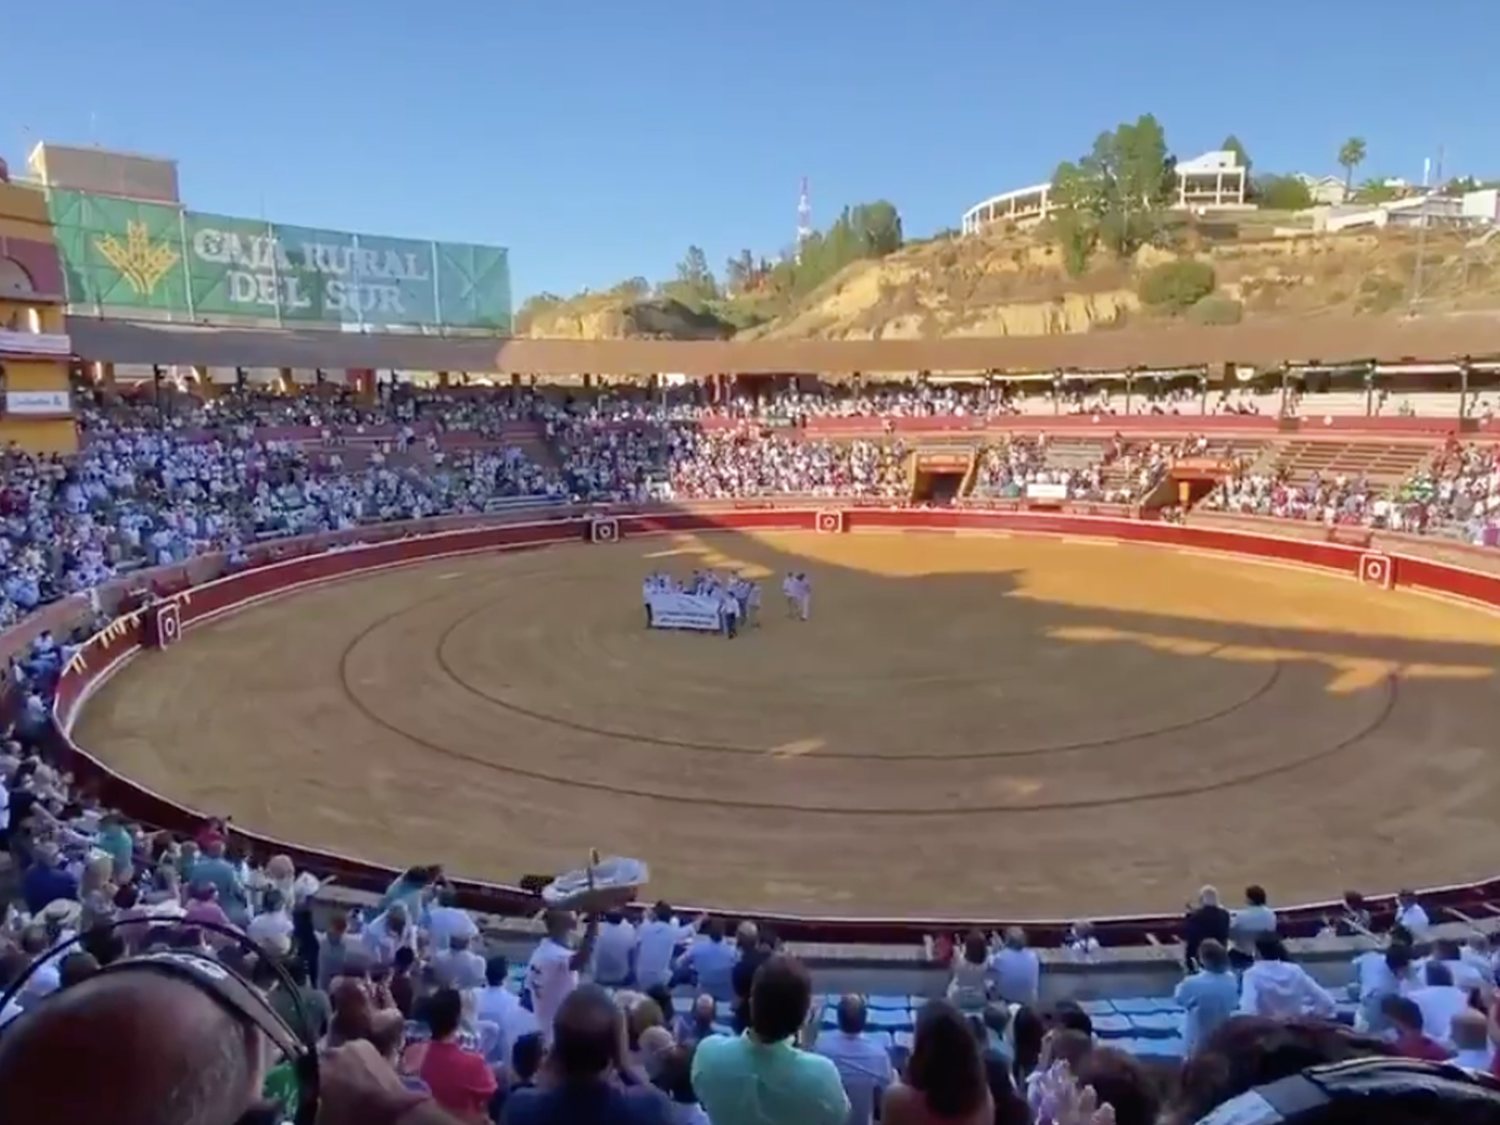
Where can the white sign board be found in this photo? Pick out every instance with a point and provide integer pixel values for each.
(39, 403)
(684, 611)
(34, 343)
(1038, 490)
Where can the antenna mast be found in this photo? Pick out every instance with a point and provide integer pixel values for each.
(804, 217)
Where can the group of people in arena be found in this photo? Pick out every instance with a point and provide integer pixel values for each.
(630, 1014)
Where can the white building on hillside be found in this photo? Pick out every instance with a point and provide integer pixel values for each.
(1472, 209)
(1327, 190)
(1215, 181)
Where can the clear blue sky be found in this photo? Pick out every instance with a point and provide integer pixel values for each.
(598, 139)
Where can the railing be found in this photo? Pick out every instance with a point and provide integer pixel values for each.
(428, 539)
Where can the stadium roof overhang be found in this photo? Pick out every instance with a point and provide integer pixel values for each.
(1264, 343)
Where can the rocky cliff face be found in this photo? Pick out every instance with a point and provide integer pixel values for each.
(604, 318)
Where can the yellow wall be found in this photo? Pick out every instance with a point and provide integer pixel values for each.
(40, 435)
(53, 317)
(35, 375)
(23, 213)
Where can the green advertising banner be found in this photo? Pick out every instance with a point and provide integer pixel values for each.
(120, 254)
(132, 256)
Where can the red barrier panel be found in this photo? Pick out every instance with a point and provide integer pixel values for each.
(226, 594)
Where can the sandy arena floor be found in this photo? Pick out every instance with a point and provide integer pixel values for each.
(969, 725)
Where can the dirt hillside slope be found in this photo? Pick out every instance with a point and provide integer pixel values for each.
(1015, 285)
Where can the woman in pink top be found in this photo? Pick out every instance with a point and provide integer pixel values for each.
(944, 1083)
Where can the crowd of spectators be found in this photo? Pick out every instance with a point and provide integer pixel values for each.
(162, 481)
(1006, 469)
(626, 1015)
(634, 1016)
(1339, 500)
(1458, 495)
(1461, 492)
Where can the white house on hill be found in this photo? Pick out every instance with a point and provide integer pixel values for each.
(1214, 181)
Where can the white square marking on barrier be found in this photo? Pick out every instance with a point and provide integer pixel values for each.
(1375, 570)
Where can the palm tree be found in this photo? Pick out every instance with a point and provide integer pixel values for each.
(1351, 156)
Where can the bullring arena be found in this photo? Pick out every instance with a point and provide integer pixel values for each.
(987, 715)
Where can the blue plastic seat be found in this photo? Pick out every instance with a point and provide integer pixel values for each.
(1159, 1025)
(1111, 1027)
(1143, 1005)
(889, 1020)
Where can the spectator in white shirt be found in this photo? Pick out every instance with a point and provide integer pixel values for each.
(1470, 1035)
(272, 927)
(1477, 952)
(47, 979)
(498, 1005)
(1081, 942)
(1409, 914)
(1248, 925)
(444, 922)
(387, 933)
(864, 1066)
(553, 970)
(1277, 988)
(656, 945)
(458, 967)
(968, 983)
(614, 952)
(1439, 1001)
(1466, 975)
(1380, 973)
(1017, 970)
(295, 888)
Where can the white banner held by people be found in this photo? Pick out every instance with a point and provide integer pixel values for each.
(684, 611)
(1046, 490)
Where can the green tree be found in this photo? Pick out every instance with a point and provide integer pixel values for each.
(1460, 184)
(1283, 193)
(632, 289)
(1175, 286)
(694, 284)
(1351, 156)
(1375, 191)
(739, 272)
(868, 230)
(1121, 191)
(1232, 144)
(877, 226)
(1074, 225)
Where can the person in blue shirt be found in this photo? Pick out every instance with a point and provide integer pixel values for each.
(1210, 995)
(47, 880)
(592, 1083)
(712, 959)
(217, 871)
(409, 888)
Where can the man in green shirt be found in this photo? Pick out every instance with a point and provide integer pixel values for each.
(762, 1077)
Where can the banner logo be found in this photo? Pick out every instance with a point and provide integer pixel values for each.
(1375, 570)
(141, 262)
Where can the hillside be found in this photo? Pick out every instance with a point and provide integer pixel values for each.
(1010, 285)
